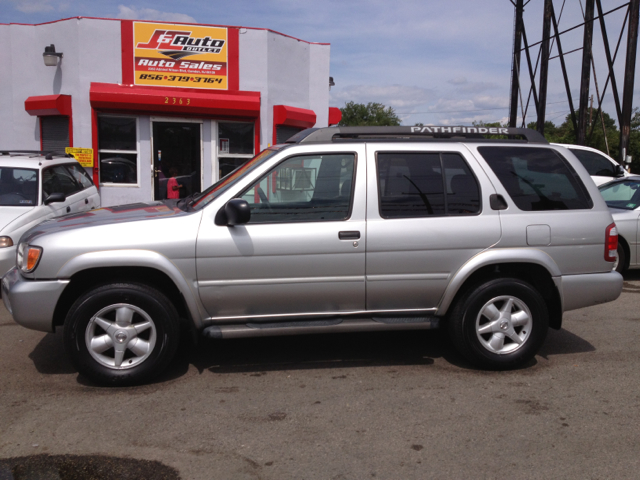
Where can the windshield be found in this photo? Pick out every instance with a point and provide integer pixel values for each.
(224, 183)
(625, 195)
(18, 187)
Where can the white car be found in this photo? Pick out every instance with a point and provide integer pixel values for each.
(623, 199)
(36, 186)
(600, 166)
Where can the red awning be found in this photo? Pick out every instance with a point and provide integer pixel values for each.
(108, 96)
(295, 117)
(335, 115)
(45, 105)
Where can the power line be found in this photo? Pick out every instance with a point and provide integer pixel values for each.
(467, 111)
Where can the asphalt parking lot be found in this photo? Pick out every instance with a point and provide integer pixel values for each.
(349, 406)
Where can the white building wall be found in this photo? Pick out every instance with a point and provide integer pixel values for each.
(91, 51)
(253, 70)
(319, 83)
(285, 71)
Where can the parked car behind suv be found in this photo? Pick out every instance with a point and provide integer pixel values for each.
(340, 229)
(623, 198)
(35, 186)
(600, 166)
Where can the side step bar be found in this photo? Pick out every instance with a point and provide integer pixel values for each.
(334, 325)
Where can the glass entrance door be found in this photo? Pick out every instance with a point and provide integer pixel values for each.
(177, 159)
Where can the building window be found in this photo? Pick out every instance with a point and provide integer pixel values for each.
(285, 132)
(235, 145)
(54, 133)
(118, 149)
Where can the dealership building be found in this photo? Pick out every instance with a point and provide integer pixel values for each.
(147, 101)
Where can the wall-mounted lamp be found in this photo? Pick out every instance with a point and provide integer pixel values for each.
(51, 56)
(331, 83)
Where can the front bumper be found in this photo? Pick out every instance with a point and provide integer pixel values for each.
(31, 302)
(580, 291)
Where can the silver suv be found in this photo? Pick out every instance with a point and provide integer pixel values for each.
(340, 229)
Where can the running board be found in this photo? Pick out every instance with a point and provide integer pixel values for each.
(333, 325)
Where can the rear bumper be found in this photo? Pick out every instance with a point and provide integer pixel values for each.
(31, 302)
(580, 291)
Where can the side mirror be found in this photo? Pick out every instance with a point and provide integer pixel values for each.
(55, 197)
(619, 171)
(237, 212)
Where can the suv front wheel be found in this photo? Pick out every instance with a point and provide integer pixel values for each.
(121, 333)
(500, 324)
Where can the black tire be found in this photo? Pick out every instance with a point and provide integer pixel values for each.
(143, 355)
(621, 266)
(528, 320)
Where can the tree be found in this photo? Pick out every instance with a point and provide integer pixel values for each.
(359, 114)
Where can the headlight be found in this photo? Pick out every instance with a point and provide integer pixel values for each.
(6, 242)
(28, 257)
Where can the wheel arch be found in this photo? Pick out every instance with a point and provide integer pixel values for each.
(627, 250)
(90, 270)
(532, 266)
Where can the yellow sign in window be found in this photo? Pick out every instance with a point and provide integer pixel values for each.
(83, 155)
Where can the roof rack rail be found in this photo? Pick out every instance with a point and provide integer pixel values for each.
(47, 154)
(422, 133)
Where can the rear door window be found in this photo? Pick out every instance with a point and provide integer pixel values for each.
(537, 179)
(425, 184)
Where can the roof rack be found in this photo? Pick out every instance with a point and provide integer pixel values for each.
(47, 154)
(421, 133)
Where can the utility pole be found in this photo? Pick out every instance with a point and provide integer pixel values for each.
(515, 69)
(591, 111)
(544, 64)
(627, 95)
(581, 134)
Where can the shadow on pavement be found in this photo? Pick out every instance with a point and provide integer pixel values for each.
(49, 356)
(307, 352)
(563, 342)
(82, 467)
(320, 351)
(631, 275)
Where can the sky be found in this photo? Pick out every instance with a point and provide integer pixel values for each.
(436, 62)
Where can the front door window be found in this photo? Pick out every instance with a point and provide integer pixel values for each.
(176, 159)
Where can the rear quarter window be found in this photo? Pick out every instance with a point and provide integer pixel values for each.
(537, 179)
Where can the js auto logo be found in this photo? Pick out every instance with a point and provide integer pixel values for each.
(178, 44)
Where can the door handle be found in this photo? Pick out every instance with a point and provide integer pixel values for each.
(86, 201)
(68, 209)
(349, 235)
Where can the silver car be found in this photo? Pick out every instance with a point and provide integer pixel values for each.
(623, 198)
(340, 229)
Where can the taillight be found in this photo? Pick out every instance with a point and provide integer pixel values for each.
(611, 243)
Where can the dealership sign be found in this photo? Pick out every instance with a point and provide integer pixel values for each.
(184, 56)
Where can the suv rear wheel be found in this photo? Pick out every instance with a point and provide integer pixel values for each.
(121, 333)
(500, 324)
